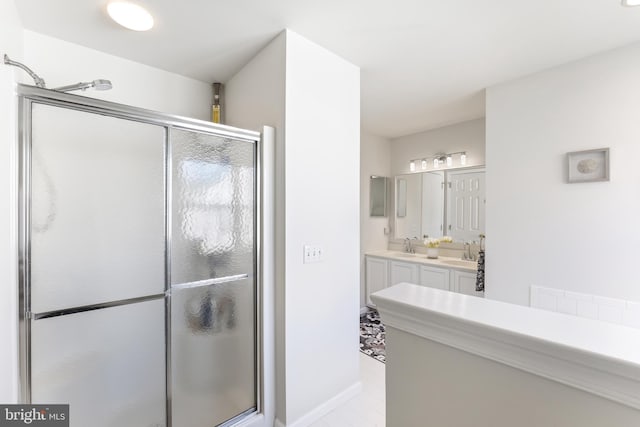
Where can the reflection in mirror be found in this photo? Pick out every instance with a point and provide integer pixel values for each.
(401, 202)
(466, 204)
(420, 205)
(432, 204)
(424, 208)
(378, 195)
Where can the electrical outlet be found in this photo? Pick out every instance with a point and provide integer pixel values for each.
(312, 254)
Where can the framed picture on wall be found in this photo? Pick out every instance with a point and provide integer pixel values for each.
(588, 166)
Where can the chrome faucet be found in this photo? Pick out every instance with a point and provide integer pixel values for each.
(466, 255)
(408, 247)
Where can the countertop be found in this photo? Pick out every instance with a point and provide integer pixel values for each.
(441, 261)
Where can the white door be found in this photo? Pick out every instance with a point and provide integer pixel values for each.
(466, 211)
(375, 276)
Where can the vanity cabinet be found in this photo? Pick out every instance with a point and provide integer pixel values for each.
(376, 276)
(465, 283)
(382, 272)
(434, 277)
(402, 272)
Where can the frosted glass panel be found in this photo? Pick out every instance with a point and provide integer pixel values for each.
(213, 206)
(97, 209)
(107, 364)
(213, 353)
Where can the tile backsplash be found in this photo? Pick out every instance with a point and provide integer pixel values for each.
(586, 305)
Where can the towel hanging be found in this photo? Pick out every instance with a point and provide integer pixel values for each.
(480, 274)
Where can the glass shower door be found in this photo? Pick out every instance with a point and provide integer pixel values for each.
(97, 256)
(213, 278)
(137, 264)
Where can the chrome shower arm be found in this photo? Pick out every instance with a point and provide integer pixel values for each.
(75, 86)
(36, 78)
(100, 84)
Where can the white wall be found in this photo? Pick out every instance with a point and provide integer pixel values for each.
(375, 153)
(540, 230)
(255, 97)
(61, 63)
(466, 136)
(317, 162)
(322, 209)
(11, 43)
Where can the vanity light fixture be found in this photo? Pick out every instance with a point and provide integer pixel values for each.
(130, 15)
(439, 159)
(631, 3)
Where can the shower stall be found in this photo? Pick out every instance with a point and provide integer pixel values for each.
(139, 264)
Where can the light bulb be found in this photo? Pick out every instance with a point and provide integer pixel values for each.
(449, 161)
(412, 166)
(130, 15)
(436, 163)
(424, 164)
(463, 159)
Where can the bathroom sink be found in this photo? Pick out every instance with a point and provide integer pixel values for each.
(460, 263)
(405, 254)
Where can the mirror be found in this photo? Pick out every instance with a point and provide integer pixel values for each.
(419, 204)
(378, 195)
(428, 203)
(401, 205)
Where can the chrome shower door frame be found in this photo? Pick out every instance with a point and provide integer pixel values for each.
(30, 95)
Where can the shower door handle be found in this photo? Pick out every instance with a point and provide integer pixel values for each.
(209, 282)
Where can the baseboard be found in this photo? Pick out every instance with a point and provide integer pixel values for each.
(323, 409)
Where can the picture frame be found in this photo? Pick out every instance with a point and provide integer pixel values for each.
(588, 166)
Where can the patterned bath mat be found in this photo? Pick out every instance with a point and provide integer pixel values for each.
(372, 336)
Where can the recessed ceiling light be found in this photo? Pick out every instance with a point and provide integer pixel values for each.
(631, 3)
(130, 15)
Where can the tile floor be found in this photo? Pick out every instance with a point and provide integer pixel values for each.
(368, 408)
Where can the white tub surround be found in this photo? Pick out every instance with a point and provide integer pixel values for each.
(504, 364)
(612, 310)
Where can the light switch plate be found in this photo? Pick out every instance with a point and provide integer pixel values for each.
(312, 254)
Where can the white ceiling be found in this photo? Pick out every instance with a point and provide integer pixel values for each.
(425, 63)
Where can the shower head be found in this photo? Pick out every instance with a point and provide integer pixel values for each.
(102, 84)
(99, 84)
